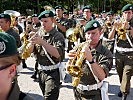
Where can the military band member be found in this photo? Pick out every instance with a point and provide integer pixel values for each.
(103, 14)
(124, 49)
(60, 23)
(5, 23)
(107, 27)
(81, 22)
(36, 25)
(16, 24)
(9, 61)
(50, 45)
(87, 13)
(97, 63)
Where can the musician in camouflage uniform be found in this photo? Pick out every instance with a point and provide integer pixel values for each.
(5, 22)
(50, 44)
(96, 66)
(124, 49)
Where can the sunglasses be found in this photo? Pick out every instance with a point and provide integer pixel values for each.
(4, 67)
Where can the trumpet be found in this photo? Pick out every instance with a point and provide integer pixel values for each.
(75, 65)
(108, 24)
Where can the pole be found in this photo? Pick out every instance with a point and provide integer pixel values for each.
(104, 5)
(98, 7)
(110, 5)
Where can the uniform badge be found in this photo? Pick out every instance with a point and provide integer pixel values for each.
(2, 47)
(95, 24)
(130, 8)
(47, 15)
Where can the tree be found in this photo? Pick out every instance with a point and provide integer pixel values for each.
(35, 5)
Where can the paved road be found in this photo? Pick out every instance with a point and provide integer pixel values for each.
(31, 87)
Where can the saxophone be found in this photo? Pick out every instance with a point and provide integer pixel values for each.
(74, 66)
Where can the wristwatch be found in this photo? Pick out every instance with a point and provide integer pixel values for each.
(91, 62)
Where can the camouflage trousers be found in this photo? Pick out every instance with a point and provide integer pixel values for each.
(49, 82)
(124, 66)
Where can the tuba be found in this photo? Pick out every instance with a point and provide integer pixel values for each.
(74, 66)
(72, 34)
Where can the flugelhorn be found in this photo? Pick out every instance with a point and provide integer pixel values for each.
(24, 49)
(74, 66)
(121, 29)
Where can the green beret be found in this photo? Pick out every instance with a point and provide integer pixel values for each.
(7, 16)
(66, 12)
(86, 7)
(110, 13)
(81, 17)
(127, 7)
(46, 14)
(91, 25)
(59, 7)
(8, 45)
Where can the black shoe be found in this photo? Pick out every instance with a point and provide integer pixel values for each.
(120, 94)
(124, 97)
(34, 76)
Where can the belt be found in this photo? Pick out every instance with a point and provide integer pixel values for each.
(51, 67)
(120, 49)
(90, 87)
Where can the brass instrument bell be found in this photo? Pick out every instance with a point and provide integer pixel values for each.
(13, 15)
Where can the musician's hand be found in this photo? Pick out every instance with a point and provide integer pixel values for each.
(71, 54)
(87, 53)
(37, 40)
(31, 34)
(116, 24)
(125, 25)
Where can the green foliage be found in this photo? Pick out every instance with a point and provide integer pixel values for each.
(35, 5)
